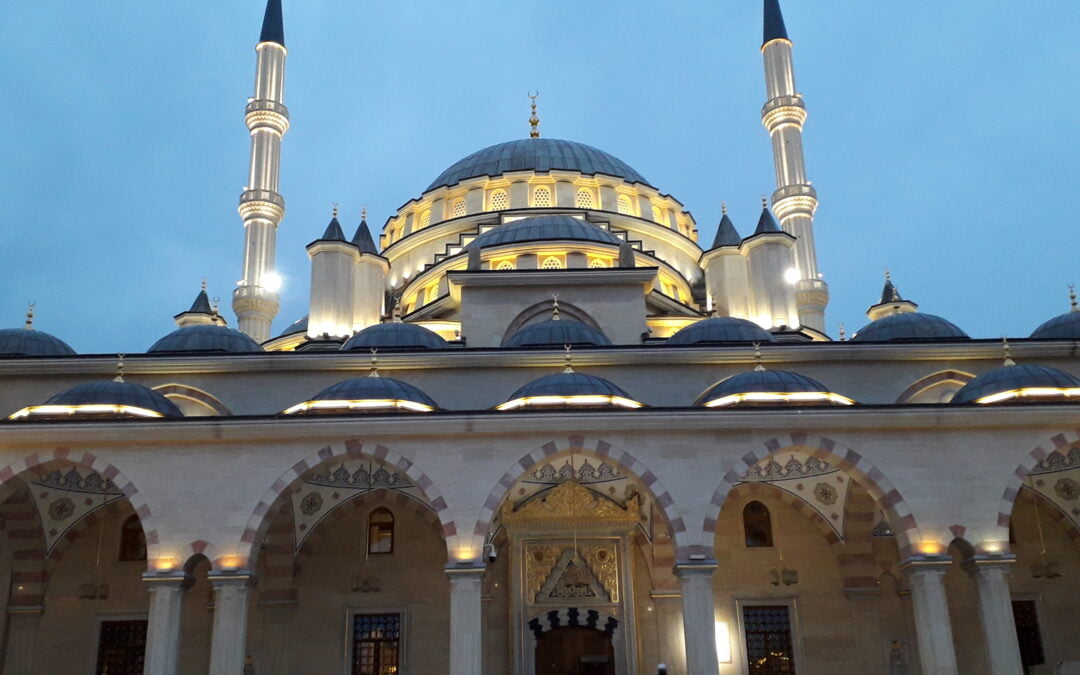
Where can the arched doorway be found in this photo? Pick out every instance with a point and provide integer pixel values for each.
(575, 650)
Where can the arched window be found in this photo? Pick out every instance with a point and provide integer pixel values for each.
(583, 199)
(625, 205)
(425, 218)
(542, 197)
(381, 531)
(459, 208)
(499, 201)
(552, 263)
(658, 216)
(132, 540)
(597, 263)
(505, 265)
(757, 526)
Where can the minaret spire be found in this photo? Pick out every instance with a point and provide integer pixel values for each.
(534, 120)
(262, 207)
(795, 199)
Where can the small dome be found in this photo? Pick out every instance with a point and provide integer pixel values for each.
(769, 387)
(30, 342)
(569, 390)
(536, 154)
(206, 338)
(910, 326)
(556, 333)
(395, 336)
(1063, 327)
(1020, 382)
(366, 394)
(298, 326)
(104, 398)
(718, 330)
(545, 228)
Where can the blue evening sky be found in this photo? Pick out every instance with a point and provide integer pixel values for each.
(942, 138)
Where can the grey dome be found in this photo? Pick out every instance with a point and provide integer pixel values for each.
(536, 154)
(395, 336)
(556, 333)
(545, 228)
(764, 381)
(1063, 327)
(1011, 378)
(206, 338)
(298, 326)
(913, 326)
(374, 389)
(720, 330)
(29, 342)
(569, 384)
(110, 392)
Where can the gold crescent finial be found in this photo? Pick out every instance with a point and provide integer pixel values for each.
(119, 368)
(757, 357)
(1073, 307)
(764, 202)
(374, 362)
(723, 208)
(555, 307)
(30, 315)
(363, 213)
(843, 332)
(888, 275)
(1008, 352)
(568, 368)
(335, 209)
(534, 121)
(204, 284)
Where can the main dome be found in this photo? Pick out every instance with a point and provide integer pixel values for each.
(536, 154)
(545, 228)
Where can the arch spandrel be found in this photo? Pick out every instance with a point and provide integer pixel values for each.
(1052, 471)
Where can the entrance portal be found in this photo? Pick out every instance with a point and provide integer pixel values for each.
(575, 650)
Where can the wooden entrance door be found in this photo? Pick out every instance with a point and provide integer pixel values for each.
(575, 650)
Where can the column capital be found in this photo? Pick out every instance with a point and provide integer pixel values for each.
(1003, 563)
(925, 563)
(26, 609)
(456, 572)
(231, 578)
(695, 568)
(166, 579)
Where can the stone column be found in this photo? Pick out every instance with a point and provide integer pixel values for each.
(995, 611)
(163, 626)
(228, 646)
(699, 618)
(466, 620)
(932, 626)
(21, 639)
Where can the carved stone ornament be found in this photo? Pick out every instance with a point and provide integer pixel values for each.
(1067, 489)
(571, 503)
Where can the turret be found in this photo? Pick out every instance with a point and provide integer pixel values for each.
(255, 299)
(202, 313)
(369, 279)
(891, 302)
(726, 276)
(795, 199)
(770, 261)
(333, 285)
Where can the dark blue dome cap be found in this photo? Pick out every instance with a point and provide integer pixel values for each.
(1013, 379)
(298, 326)
(395, 336)
(110, 392)
(569, 385)
(556, 333)
(29, 342)
(366, 389)
(787, 384)
(545, 228)
(912, 326)
(536, 154)
(721, 329)
(1063, 327)
(206, 338)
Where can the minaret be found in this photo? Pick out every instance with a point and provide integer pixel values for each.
(795, 200)
(255, 299)
(369, 277)
(333, 283)
(769, 255)
(726, 276)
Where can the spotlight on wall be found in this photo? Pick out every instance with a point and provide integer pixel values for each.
(723, 642)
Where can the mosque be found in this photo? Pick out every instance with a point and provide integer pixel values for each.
(535, 426)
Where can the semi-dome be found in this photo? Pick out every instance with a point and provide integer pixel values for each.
(545, 228)
(30, 342)
(206, 338)
(105, 398)
(1017, 383)
(395, 335)
(366, 394)
(1062, 327)
(909, 326)
(556, 333)
(569, 390)
(769, 387)
(719, 330)
(536, 154)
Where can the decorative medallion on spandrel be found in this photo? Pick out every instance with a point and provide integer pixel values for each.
(815, 481)
(65, 498)
(1057, 479)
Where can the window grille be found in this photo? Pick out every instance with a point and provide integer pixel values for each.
(767, 631)
(658, 216)
(552, 263)
(121, 647)
(499, 201)
(597, 263)
(505, 265)
(584, 199)
(376, 644)
(425, 219)
(625, 205)
(459, 208)
(542, 197)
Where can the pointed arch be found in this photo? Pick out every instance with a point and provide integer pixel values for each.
(1060, 443)
(938, 380)
(542, 311)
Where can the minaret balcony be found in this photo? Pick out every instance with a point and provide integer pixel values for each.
(784, 110)
(262, 204)
(795, 200)
(264, 113)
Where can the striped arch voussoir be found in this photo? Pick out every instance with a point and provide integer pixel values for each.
(572, 616)
(1060, 442)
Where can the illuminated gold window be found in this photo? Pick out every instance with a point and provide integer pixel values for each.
(499, 201)
(658, 216)
(625, 205)
(542, 197)
(598, 263)
(459, 208)
(425, 218)
(432, 293)
(504, 265)
(381, 531)
(552, 263)
(583, 199)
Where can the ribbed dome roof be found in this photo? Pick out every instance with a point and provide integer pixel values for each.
(545, 228)
(719, 330)
(206, 338)
(556, 333)
(768, 382)
(536, 154)
(569, 386)
(29, 342)
(1014, 379)
(912, 326)
(350, 395)
(112, 393)
(1063, 327)
(395, 336)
